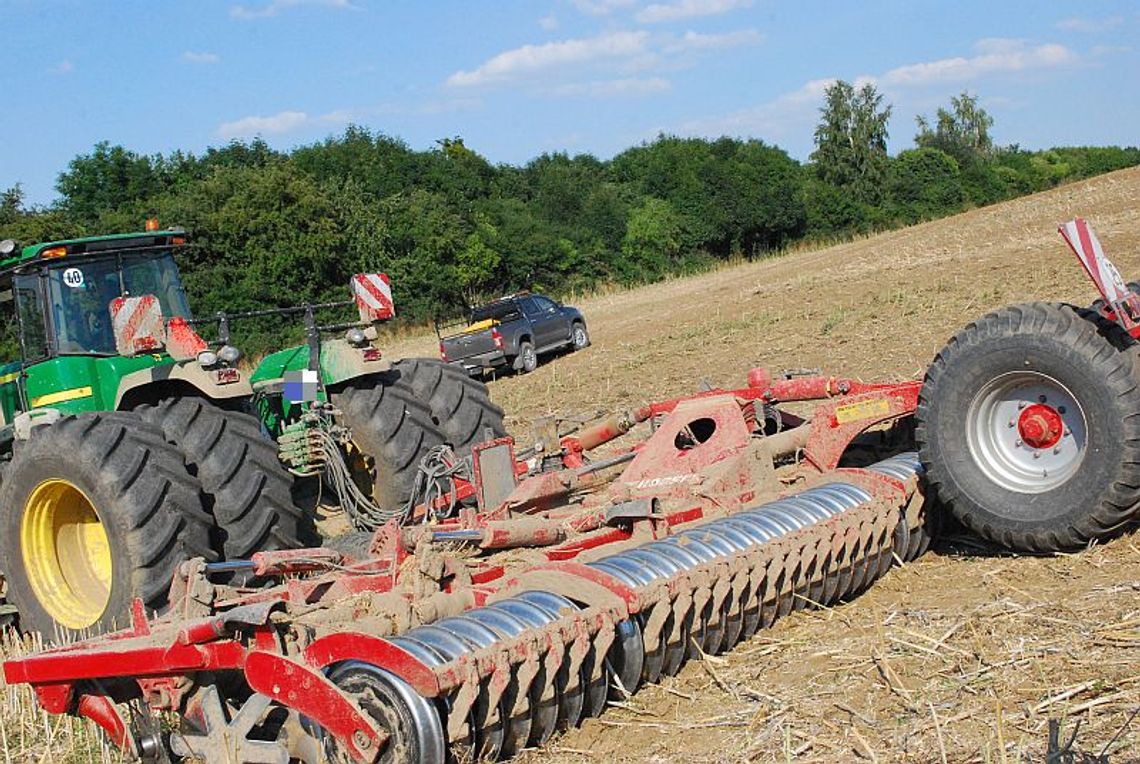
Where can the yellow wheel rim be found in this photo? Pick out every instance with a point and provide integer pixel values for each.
(66, 554)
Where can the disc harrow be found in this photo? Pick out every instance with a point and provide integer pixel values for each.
(425, 642)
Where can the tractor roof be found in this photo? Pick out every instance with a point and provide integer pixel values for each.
(91, 245)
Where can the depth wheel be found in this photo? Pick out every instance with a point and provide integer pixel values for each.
(411, 721)
(1029, 428)
(98, 510)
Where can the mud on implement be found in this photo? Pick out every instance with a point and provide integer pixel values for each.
(569, 582)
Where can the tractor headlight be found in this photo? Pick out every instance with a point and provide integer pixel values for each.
(229, 355)
(207, 358)
(355, 337)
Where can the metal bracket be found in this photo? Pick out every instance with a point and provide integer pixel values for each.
(225, 741)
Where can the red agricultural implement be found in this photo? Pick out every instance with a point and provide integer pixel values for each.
(523, 593)
(424, 638)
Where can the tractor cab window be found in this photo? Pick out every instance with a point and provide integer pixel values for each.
(79, 296)
(156, 274)
(80, 292)
(29, 304)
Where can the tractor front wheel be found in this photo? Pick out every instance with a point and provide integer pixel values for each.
(1029, 428)
(97, 510)
(460, 405)
(392, 430)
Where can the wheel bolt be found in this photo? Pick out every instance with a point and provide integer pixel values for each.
(1041, 399)
(1021, 405)
(1017, 443)
(1036, 454)
(361, 739)
(1060, 409)
(1012, 423)
(1056, 449)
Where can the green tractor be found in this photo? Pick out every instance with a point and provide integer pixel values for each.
(129, 444)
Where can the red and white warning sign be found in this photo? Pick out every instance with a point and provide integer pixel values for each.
(1086, 246)
(137, 323)
(373, 294)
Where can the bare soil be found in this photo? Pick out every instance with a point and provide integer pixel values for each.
(955, 657)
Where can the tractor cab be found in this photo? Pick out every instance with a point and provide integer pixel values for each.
(58, 297)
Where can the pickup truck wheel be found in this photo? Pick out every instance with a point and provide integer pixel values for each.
(527, 360)
(579, 336)
(460, 405)
(98, 509)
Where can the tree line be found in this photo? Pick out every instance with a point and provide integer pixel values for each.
(272, 228)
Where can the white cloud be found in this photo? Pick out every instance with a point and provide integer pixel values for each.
(63, 67)
(657, 13)
(601, 7)
(783, 116)
(612, 88)
(528, 59)
(248, 127)
(994, 56)
(548, 23)
(200, 57)
(695, 41)
(1080, 24)
(274, 7)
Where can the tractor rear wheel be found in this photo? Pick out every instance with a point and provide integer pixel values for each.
(460, 405)
(243, 482)
(97, 510)
(393, 428)
(1029, 428)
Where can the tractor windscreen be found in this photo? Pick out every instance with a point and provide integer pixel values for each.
(80, 293)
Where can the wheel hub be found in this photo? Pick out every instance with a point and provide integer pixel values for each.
(1026, 431)
(1040, 426)
(67, 554)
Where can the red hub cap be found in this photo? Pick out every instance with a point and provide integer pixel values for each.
(1040, 426)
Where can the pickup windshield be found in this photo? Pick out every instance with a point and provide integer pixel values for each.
(79, 294)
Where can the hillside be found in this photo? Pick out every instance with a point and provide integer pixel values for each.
(951, 658)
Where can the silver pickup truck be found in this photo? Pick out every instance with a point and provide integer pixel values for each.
(513, 332)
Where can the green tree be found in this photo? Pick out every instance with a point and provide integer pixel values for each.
(106, 179)
(851, 140)
(925, 183)
(652, 239)
(962, 131)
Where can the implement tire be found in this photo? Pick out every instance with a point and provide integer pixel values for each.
(460, 406)
(1029, 427)
(98, 509)
(243, 482)
(392, 426)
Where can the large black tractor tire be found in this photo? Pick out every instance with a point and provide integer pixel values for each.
(394, 428)
(1029, 428)
(460, 405)
(243, 482)
(98, 509)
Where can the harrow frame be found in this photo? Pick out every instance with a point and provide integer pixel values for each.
(730, 514)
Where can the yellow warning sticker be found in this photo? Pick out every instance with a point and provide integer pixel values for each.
(853, 412)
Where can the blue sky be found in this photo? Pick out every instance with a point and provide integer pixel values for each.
(516, 78)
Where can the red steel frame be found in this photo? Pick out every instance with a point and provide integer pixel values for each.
(159, 655)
